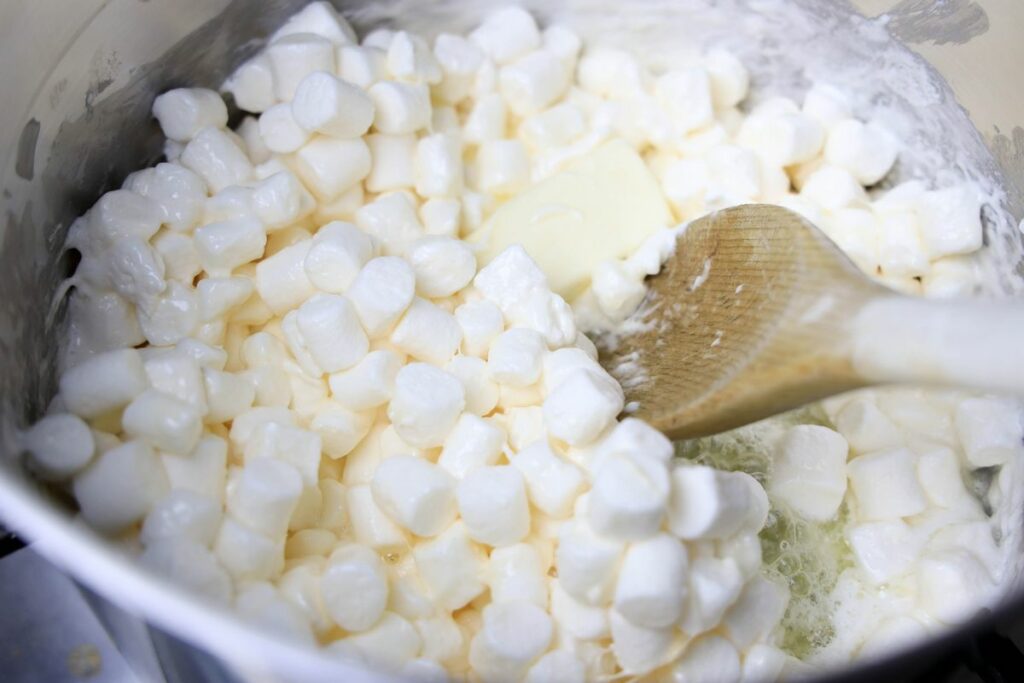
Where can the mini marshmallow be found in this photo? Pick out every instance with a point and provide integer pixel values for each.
(368, 384)
(473, 443)
(826, 104)
(548, 313)
(218, 296)
(179, 256)
(163, 421)
(884, 550)
(228, 395)
(415, 494)
(120, 486)
(332, 166)
(578, 619)
(326, 104)
(459, 60)
(121, 214)
(105, 320)
(441, 636)
(867, 151)
(885, 485)
(438, 166)
(482, 392)
(178, 375)
(492, 502)
(427, 332)
(280, 131)
(426, 404)
(487, 120)
(685, 95)
(354, 587)
(707, 503)
(706, 660)
(177, 192)
(182, 514)
(331, 332)
(381, 292)
(441, 217)
(552, 483)
(337, 254)
(587, 563)
(507, 34)
(296, 56)
(452, 567)
(809, 471)
(950, 220)
(391, 220)
(515, 357)
(651, 586)
(618, 292)
(503, 166)
(532, 83)
(481, 323)
(631, 438)
(832, 187)
(901, 250)
(865, 427)
(638, 649)
(183, 112)
(582, 406)
(401, 108)
(361, 66)
(514, 634)
(628, 498)
(393, 160)
(134, 269)
(727, 77)
(215, 157)
(263, 494)
(318, 18)
(171, 317)
(203, 471)
(252, 85)
(442, 265)
(191, 565)
(340, 429)
(938, 470)
(756, 613)
(558, 126)
(59, 445)
(409, 59)
(515, 574)
(611, 73)
(714, 585)
(370, 525)
(953, 585)
(261, 605)
(560, 364)
(558, 666)
(247, 425)
(990, 430)
(224, 246)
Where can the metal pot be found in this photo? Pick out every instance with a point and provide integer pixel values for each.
(78, 87)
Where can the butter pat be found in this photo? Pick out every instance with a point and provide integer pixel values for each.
(602, 206)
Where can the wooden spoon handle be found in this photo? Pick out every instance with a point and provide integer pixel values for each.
(977, 344)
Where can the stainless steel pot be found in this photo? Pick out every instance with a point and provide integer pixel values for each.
(79, 79)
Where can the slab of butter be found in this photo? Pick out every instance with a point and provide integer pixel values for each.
(601, 206)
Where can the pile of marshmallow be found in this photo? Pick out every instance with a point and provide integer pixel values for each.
(291, 388)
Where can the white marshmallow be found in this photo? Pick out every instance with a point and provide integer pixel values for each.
(558, 126)
(707, 503)
(280, 200)
(487, 120)
(59, 445)
(628, 498)
(452, 567)
(104, 382)
(354, 587)
(224, 246)
(990, 430)
(409, 59)
(368, 384)
(865, 427)
(252, 85)
(203, 471)
(442, 638)
(756, 613)
(261, 605)
(867, 151)
(183, 112)
(950, 220)
(104, 321)
(492, 502)
(714, 585)
(415, 494)
(832, 187)
(631, 438)
(215, 157)
(651, 586)
(163, 421)
(809, 471)
(884, 550)
(582, 406)
(280, 131)
(727, 77)
(393, 160)
(182, 514)
(392, 220)
(389, 644)
(532, 83)
(938, 470)
(481, 322)
(331, 332)
(785, 139)
(507, 34)
(473, 443)
(326, 104)
(294, 57)
(826, 104)
(515, 574)
(442, 265)
(171, 317)
(953, 585)
(340, 429)
(370, 525)
(178, 192)
(638, 649)
(578, 619)
(685, 95)
(515, 357)
(120, 487)
(133, 269)
(218, 296)
(246, 425)
(298, 447)
(513, 636)
(338, 252)
(178, 375)
(441, 217)
(564, 43)
(558, 666)
(331, 166)
(587, 563)
(482, 392)
(381, 292)
(179, 256)
(121, 214)
(191, 565)
(503, 167)
(318, 18)
(426, 404)
(885, 485)
(401, 108)
(263, 494)
(561, 363)
(228, 395)
(552, 483)
(438, 166)
(611, 73)
(362, 66)
(763, 663)
(618, 292)
(459, 60)
(427, 332)
(901, 250)
(707, 660)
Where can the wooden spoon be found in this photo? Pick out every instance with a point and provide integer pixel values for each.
(758, 312)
